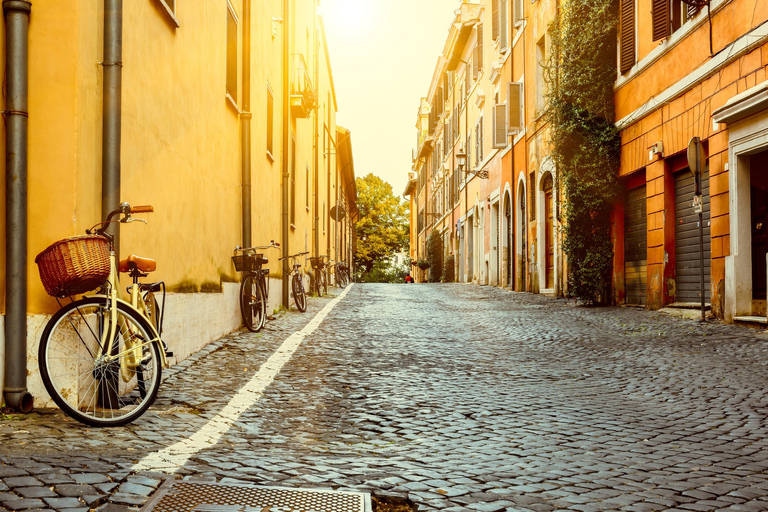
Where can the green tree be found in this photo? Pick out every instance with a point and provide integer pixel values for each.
(585, 140)
(435, 256)
(383, 226)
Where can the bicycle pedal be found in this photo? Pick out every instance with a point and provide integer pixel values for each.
(168, 354)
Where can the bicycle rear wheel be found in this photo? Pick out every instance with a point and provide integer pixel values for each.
(341, 278)
(299, 296)
(88, 386)
(252, 303)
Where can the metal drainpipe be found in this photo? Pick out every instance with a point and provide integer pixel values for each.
(17, 53)
(286, 149)
(112, 113)
(245, 117)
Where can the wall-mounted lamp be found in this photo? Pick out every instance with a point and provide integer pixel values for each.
(657, 149)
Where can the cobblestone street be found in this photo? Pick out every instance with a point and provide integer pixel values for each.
(456, 397)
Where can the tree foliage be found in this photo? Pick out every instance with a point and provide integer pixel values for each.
(585, 141)
(435, 256)
(383, 225)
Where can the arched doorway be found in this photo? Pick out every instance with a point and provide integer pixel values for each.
(508, 241)
(522, 238)
(549, 232)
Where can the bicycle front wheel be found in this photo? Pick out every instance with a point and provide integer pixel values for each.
(299, 296)
(95, 388)
(323, 282)
(341, 278)
(252, 304)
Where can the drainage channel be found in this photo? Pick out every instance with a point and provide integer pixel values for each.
(190, 496)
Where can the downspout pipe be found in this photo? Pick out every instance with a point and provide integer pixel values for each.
(17, 62)
(112, 113)
(286, 149)
(245, 118)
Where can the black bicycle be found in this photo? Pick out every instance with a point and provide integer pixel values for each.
(297, 284)
(254, 292)
(318, 279)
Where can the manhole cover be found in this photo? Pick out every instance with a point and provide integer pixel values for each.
(186, 496)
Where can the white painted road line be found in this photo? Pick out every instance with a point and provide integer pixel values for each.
(175, 456)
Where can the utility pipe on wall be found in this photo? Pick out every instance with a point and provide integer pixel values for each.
(285, 148)
(17, 53)
(112, 112)
(245, 117)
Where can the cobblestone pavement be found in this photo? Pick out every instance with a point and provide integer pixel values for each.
(455, 396)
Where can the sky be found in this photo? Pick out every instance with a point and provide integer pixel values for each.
(383, 54)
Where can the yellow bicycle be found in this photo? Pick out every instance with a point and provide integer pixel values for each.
(101, 357)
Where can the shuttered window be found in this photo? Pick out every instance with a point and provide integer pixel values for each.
(660, 14)
(627, 59)
(518, 14)
(495, 18)
(499, 126)
(480, 47)
(503, 17)
(515, 107)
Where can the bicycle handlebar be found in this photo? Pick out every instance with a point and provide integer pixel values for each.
(125, 210)
(293, 255)
(272, 243)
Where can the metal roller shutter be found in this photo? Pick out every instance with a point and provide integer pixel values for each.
(687, 273)
(635, 247)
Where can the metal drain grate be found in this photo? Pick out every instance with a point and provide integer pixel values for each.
(186, 496)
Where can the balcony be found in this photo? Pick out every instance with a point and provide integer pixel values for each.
(303, 95)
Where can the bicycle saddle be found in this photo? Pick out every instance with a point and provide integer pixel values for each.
(137, 262)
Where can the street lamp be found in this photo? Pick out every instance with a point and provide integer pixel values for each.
(461, 159)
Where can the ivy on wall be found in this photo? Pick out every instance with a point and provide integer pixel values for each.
(580, 75)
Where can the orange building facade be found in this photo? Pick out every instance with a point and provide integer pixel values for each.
(686, 72)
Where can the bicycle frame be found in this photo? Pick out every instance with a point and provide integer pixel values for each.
(137, 303)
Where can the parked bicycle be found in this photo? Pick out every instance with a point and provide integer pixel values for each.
(337, 273)
(101, 357)
(297, 284)
(254, 292)
(318, 279)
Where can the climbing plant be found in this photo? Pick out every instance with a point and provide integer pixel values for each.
(585, 143)
(435, 256)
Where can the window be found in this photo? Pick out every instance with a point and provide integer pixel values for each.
(479, 48)
(307, 188)
(518, 12)
(540, 63)
(669, 15)
(503, 16)
(499, 125)
(479, 141)
(170, 8)
(270, 122)
(627, 35)
(515, 107)
(231, 53)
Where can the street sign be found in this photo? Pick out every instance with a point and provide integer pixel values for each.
(698, 204)
(696, 159)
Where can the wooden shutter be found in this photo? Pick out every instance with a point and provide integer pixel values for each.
(518, 13)
(499, 126)
(661, 19)
(627, 58)
(495, 18)
(503, 17)
(692, 9)
(480, 46)
(475, 62)
(515, 107)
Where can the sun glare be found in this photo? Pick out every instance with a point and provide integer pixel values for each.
(350, 16)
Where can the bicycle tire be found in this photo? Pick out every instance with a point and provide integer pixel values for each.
(83, 385)
(324, 282)
(299, 296)
(252, 304)
(341, 280)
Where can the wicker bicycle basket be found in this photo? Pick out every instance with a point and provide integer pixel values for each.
(316, 262)
(248, 262)
(74, 265)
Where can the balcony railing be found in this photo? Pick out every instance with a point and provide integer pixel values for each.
(303, 95)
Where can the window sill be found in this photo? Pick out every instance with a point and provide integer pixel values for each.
(171, 15)
(270, 157)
